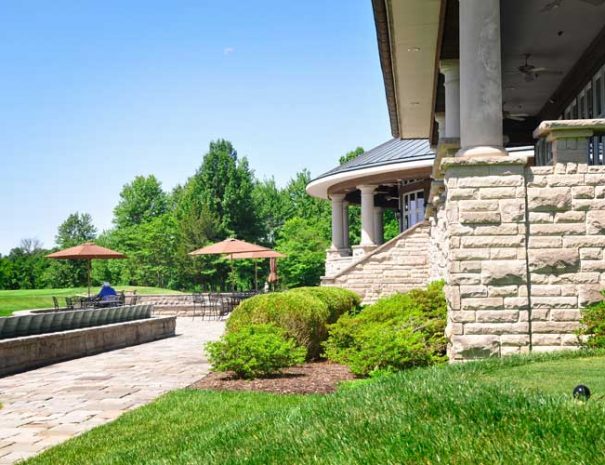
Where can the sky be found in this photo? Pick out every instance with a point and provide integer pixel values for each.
(94, 93)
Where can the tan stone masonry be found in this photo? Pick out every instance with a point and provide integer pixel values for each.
(399, 265)
(525, 254)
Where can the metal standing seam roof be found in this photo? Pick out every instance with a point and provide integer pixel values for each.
(393, 151)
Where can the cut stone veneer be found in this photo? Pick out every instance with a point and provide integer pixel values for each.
(525, 254)
(399, 265)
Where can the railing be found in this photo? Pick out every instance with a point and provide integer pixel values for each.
(543, 153)
(570, 141)
(596, 149)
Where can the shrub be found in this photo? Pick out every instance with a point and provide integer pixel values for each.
(254, 350)
(592, 329)
(397, 332)
(302, 316)
(339, 301)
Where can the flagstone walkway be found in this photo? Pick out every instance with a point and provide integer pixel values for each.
(44, 407)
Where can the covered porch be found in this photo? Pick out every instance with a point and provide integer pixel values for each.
(395, 176)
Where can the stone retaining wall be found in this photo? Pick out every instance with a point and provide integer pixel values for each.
(26, 353)
(525, 254)
(396, 266)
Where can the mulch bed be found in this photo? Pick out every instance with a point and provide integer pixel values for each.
(310, 378)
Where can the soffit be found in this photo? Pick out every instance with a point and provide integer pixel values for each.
(414, 33)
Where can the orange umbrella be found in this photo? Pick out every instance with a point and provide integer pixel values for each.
(87, 251)
(270, 254)
(229, 247)
(236, 250)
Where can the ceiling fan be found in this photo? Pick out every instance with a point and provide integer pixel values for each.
(554, 4)
(532, 72)
(515, 116)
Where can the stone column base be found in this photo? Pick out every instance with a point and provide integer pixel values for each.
(361, 250)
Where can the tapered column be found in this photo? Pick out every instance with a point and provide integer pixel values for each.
(378, 225)
(345, 225)
(367, 215)
(451, 73)
(480, 79)
(337, 221)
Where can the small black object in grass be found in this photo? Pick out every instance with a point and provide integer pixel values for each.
(581, 392)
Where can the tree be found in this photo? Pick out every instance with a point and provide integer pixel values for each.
(272, 208)
(141, 200)
(351, 155)
(76, 229)
(223, 187)
(304, 244)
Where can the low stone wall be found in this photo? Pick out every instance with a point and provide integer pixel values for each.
(25, 353)
(525, 254)
(169, 304)
(396, 266)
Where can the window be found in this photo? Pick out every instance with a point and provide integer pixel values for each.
(413, 209)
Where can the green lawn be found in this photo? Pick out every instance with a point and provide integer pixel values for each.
(512, 411)
(25, 299)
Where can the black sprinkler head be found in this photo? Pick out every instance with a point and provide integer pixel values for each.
(581, 392)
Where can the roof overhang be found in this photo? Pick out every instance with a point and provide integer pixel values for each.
(322, 187)
(408, 39)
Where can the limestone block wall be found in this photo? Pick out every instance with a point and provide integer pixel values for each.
(396, 266)
(525, 254)
(438, 244)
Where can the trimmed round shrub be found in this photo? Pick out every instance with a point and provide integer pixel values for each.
(302, 316)
(397, 332)
(254, 351)
(339, 301)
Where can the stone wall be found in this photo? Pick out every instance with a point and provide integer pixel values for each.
(525, 254)
(438, 244)
(396, 266)
(29, 352)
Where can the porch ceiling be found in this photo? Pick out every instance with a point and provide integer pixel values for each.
(554, 34)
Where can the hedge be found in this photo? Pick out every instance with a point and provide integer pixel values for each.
(339, 301)
(303, 317)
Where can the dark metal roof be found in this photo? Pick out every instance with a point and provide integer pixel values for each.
(393, 151)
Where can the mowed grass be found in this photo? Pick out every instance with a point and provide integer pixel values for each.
(476, 413)
(25, 299)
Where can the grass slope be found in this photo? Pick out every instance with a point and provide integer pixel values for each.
(475, 413)
(25, 299)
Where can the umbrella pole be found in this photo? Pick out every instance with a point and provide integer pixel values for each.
(89, 264)
(255, 275)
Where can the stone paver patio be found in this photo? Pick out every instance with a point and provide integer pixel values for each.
(49, 405)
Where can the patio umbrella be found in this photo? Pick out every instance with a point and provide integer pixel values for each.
(236, 249)
(229, 247)
(272, 255)
(87, 251)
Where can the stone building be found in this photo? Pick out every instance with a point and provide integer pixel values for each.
(518, 235)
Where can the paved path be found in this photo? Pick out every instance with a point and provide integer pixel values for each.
(46, 406)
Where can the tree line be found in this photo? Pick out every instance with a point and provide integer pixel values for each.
(157, 229)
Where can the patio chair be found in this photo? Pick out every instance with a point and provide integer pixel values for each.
(198, 302)
(69, 303)
(56, 303)
(134, 299)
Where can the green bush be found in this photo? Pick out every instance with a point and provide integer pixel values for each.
(397, 332)
(302, 316)
(254, 350)
(592, 329)
(339, 301)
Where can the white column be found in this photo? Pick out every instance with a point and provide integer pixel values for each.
(379, 225)
(451, 73)
(367, 215)
(440, 120)
(337, 226)
(480, 79)
(345, 225)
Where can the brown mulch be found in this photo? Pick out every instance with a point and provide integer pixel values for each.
(310, 378)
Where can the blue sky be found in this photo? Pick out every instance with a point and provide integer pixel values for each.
(93, 93)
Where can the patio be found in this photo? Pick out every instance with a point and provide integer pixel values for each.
(44, 407)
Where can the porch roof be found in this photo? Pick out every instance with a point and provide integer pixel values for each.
(395, 155)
